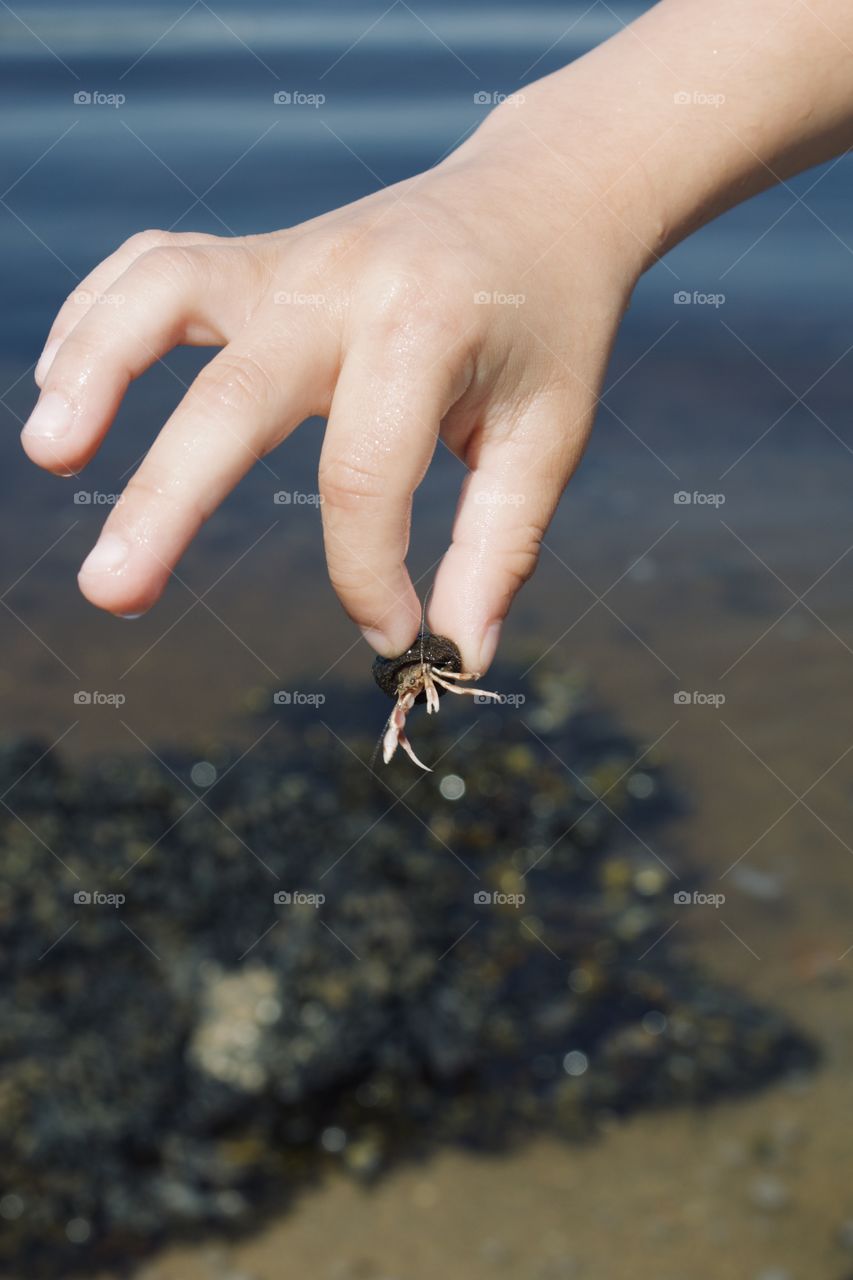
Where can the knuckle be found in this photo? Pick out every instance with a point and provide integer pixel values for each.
(147, 489)
(232, 383)
(513, 557)
(198, 270)
(411, 298)
(518, 568)
(152, 238)
(520, 559)
(358, 588)
(346, 486)
(170, 262)
(78, 351)
(406, 293)
(98, 346)
(321, 251)
(396, 288)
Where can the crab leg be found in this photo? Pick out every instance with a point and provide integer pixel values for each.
(395, 732)
(452, 688)
(396, 725)
(407, 747)
(430, 692)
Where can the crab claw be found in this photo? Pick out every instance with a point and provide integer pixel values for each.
(407, 747)
(395, 734)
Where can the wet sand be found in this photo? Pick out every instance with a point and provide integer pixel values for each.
(752, 1190)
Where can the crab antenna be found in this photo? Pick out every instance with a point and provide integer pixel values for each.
(423, 619)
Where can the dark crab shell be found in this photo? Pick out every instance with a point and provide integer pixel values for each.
(435, 651)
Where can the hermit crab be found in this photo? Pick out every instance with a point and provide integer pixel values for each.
(431, 664)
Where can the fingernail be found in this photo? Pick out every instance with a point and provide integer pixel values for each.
(107, 555)
(51, 417)
(489, 647)
(45, 360)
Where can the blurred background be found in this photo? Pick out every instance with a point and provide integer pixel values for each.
(731, 378)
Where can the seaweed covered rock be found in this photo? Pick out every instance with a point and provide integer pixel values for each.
(211, 993)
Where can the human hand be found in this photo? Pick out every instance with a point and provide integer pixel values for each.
(562, 198)
(398, 349)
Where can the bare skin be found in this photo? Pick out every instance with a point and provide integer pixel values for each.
(564, 199)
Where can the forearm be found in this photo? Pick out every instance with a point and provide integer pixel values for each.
(694, 107)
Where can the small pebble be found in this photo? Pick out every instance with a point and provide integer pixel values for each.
(650, 881)
(11, 1207)
(452, 787)
(203, 774)
(495, 1251)
(769, 1194)
(763, 886)
(580, 981)
(78, 1230)
(363, 1157)
(640, 786)
(333, 1139)
(575, 1063)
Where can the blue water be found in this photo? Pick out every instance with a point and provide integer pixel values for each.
(199, 98)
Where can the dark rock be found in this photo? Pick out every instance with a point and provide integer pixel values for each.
(303, 972)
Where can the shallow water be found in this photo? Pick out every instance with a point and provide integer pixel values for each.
(749, 599)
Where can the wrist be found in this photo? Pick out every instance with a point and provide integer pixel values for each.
(574, 195)
(692, 108)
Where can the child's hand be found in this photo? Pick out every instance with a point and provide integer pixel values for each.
(475, 304)
(550, 211)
